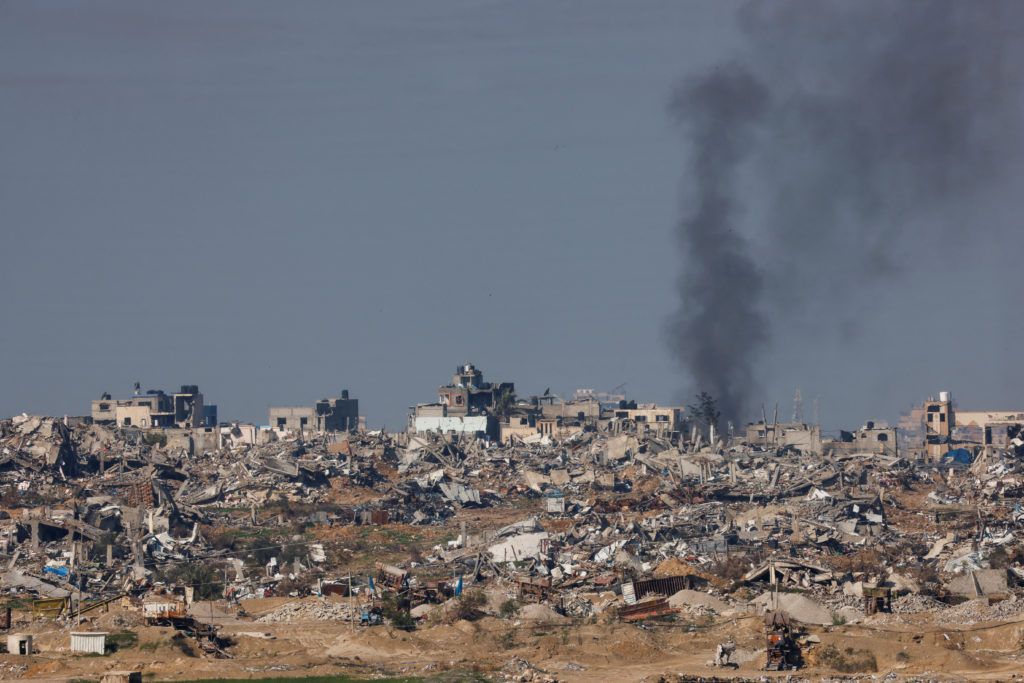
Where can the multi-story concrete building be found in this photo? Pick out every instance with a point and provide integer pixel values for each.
(468, 394)
(805, 437)
(467, 405)
(326, 415)
(184, 409)
(873, 437)
(585, 410)
(947, 427)
(661, 420)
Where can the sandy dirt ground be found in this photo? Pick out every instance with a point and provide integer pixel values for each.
(492, 648)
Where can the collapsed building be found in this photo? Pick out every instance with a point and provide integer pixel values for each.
(625, 513)
(468, 406)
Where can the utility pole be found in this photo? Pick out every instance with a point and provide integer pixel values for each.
(775, 427)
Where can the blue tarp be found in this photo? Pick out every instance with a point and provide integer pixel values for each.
(960, 456)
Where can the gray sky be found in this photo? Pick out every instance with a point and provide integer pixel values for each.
(280, 200)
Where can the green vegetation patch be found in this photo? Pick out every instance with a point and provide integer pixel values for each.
(122, 640)
(848, 661)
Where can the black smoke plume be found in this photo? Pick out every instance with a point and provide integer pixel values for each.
(719, 329)
(824, 160)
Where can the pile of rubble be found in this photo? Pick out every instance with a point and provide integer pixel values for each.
(521, 671)
(623, 523)
(299, 611)
(913, 604)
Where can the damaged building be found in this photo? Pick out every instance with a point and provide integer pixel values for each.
(326, 415)
(618, 513)
(156, 409)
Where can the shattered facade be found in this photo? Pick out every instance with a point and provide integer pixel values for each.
(326, 415)
(184, 409)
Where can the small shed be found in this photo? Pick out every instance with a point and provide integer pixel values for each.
(90, 642)
(19, 644)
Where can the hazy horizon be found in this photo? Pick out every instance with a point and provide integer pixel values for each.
(277, 202)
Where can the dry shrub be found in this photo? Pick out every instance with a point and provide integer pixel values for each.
(731, 568)
(847, 661)
(470, 605)
(868, 561)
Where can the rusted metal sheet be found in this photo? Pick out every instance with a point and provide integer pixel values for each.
(533, 589)
(136, 494)
(52, 607)
(646, 610)
(390, 576)
(334, 588)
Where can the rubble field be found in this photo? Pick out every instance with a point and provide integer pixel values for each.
(615, 554)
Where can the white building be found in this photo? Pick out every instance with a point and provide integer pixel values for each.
(94, 643)
(458, 424)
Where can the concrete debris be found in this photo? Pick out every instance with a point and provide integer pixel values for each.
(613, 512)
(320, 610)
(698, 601)
(799, 607)
(536, 612)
